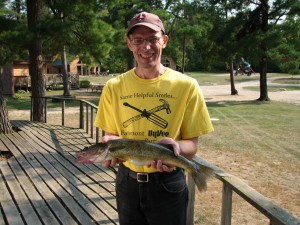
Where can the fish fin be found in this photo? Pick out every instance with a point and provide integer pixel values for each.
(201, 175)
(167, 146)
(103, 156)
(139, 162)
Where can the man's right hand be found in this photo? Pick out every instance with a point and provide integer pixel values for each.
(113, 161)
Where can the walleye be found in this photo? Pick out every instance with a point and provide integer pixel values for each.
(142, 153)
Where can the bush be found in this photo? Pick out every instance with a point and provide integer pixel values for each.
(19, 94)
(84, 84)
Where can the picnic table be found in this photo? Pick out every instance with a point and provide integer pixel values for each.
(96, 86)
(41, 183)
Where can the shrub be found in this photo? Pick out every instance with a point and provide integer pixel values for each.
(84, 84)
(19, 94)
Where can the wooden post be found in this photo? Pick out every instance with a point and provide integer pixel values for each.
(63, 112)
(226, 205)
(81, 116)
(92, 122)
(87, 118)
(191, 203)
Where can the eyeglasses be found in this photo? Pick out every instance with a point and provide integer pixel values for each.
(139, 41)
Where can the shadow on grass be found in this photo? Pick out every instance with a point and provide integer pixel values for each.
(233, 103)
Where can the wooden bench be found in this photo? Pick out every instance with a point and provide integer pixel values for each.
(41, 183)
(96, 86)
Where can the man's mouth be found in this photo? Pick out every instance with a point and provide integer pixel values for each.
(146, 55)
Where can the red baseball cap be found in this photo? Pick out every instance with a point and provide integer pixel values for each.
(146, 19)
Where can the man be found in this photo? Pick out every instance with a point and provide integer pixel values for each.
(243, 67)
(155, 104)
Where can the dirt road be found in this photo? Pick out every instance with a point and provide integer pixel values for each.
(222, 92)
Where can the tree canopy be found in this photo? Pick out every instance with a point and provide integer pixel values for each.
(204, 34)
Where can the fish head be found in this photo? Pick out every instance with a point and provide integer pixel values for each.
(96, 153)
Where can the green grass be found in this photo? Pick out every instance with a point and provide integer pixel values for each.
(101, 79)
(255, 127)
(258, 142)
(274, 88)
(207, 79)
(290, 80)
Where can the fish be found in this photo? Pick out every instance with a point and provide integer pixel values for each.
(140, 153)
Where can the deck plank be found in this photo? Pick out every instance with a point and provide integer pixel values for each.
(35, 198)
(45, 179)
(8, 206)
(32, 167)
(101, 174)
(105, 177)
(61, 184)
(24, 205)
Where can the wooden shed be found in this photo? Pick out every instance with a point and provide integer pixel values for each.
(17, 76)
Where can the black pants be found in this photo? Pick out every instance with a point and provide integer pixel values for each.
(161, 200)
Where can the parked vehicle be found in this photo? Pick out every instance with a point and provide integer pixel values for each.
(244, 67)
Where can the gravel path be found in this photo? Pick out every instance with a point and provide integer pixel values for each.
(222, 92)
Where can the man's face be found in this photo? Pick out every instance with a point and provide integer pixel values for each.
(147, 52)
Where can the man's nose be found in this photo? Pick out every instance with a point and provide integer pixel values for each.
(146, 44)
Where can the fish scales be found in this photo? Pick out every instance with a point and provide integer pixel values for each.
(142, 153)
(146, 151)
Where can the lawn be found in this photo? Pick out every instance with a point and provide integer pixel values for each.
(258, 142)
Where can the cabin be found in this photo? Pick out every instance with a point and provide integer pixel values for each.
(17, 76)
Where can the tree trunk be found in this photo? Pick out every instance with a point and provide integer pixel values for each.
(263, 61)
(65, 73)
(5, 126)
(263, 80)
(36, 62)
(233, 90)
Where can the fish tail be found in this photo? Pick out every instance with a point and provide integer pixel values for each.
(201, 175)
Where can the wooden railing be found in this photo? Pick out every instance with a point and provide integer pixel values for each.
(275, 214)
(87, 111)
(52, 80)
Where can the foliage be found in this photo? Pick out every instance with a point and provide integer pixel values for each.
(286, 53)
(19, 94)
(84, 83)
(204, 35)
(13, 35)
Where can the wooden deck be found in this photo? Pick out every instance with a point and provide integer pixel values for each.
(41, 183)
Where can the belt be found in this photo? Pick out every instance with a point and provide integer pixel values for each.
(140, 177)
(146, 177)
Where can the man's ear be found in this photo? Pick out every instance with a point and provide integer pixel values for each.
(166, 38)
(129, 45)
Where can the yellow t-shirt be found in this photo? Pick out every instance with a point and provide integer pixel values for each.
(171, 105)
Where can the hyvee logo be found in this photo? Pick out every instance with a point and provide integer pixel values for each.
(158, 133)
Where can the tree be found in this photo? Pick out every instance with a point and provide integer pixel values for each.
(5, 126)
(36, 60)
(259, 24)
(12, 32)
(286, 53)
